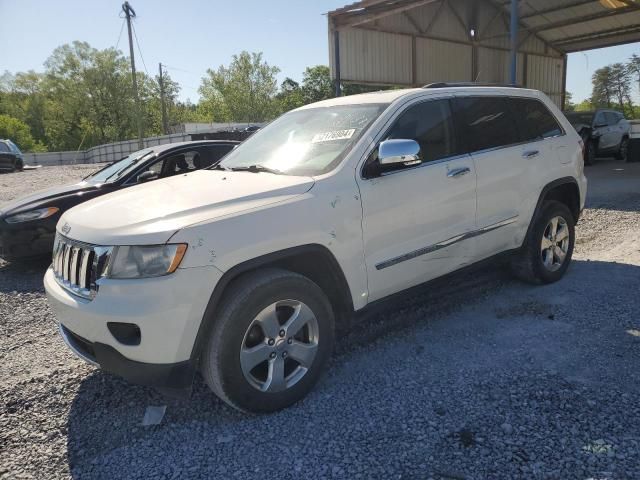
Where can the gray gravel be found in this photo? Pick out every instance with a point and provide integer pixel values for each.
(476, 376)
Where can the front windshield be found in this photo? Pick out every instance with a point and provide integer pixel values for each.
(118, 169)
(305, 142)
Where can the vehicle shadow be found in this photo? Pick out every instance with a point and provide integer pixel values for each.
(24, 276)
(613, 185)
(104, 421)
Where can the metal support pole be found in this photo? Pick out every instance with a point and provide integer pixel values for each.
(563, 97)
(336, 58)
(165, 126)
(514, 41)
(130, 13)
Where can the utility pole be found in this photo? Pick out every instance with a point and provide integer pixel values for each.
(130, 13)
(165, 126)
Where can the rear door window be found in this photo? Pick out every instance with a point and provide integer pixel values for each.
(485, 122)
(4, 148)
(534, 120)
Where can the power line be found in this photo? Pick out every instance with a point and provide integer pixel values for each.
(120, 34)
(135, 35)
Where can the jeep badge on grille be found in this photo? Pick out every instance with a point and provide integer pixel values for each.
(66, 228)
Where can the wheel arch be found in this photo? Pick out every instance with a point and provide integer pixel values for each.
(313, 261)
(564, 190)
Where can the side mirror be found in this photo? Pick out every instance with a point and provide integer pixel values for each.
(399, 152)
(147, 176)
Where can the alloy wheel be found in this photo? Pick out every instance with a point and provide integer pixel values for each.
(279, 346)
(555, 243)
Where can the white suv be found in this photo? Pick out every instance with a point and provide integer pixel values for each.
(241, 271)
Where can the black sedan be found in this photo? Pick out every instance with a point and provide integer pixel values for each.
(27, 225)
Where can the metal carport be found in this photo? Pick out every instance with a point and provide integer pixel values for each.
(414, 42)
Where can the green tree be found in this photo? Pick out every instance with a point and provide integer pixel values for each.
(317, 84)
(18, 132)
(290, 95)
(568, 106)
(633, 66)
(602, 93)
(244, 91)
(584, 106)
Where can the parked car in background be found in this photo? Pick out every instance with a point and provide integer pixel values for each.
(10, 157)
(242, 270)
(604, 133)
(27, 225)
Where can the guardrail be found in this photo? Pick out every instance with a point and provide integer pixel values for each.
(109, 152)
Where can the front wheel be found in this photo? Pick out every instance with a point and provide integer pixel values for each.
(547, 250)
(623, 150)
(270, 342)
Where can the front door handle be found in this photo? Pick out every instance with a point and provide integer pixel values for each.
(458, 172)
(531, 154)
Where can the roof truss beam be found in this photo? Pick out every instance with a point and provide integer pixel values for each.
(599, 35)
(585, 18)
(359, 18)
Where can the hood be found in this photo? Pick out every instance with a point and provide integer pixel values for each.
(150, 213)
(42, 198)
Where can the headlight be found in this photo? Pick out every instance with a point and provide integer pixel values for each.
(145, 261)
(38, 214)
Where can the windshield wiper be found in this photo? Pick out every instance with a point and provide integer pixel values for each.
(219, 167)
(257, 169)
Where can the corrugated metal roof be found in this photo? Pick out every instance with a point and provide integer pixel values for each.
(564, 25)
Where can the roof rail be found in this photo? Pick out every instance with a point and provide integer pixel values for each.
(470, 84)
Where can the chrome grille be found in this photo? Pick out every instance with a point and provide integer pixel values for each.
(78, 266)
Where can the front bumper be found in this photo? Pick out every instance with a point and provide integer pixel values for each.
(168, 311)
(28, 239)
(172, 376)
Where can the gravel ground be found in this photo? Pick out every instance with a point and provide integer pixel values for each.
(475, 376)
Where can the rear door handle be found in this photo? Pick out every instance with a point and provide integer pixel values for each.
(458, 172)
(531, 154)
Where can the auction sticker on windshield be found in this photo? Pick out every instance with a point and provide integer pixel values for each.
(335, 135)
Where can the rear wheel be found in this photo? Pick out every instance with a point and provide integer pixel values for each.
(547, 251)
(270, 342)
(589, 153)
(623, 150)
(19, 165)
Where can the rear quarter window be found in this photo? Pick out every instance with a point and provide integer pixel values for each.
(534, 120)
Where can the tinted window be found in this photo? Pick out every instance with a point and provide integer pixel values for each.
(600, 119)
(208, 156)
(4, 147)
(13, 147)
(612, 118)
(534, 119)
(429, 124)
(485, 122)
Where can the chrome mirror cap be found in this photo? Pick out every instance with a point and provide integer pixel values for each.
(406, 152)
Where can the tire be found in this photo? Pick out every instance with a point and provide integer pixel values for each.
(529, 264)
(589, 153)
(245, 323)
(623, 150)
(19, 166)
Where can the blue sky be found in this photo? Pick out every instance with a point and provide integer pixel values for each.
(194, 35)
